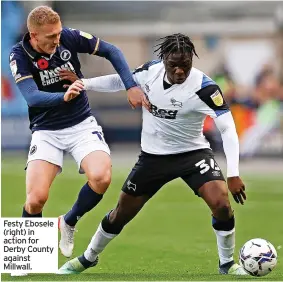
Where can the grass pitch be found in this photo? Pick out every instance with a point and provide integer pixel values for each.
(171, 239)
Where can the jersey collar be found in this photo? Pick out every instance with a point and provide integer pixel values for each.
(30, 51)
(166, 83)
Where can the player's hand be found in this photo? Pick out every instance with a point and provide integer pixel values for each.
(73, 90)
(237, 188)
(137, 98)
(68, 75)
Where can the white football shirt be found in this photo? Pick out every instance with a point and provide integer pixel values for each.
(175, 123)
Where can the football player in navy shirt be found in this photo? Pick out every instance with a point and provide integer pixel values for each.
(60, 119)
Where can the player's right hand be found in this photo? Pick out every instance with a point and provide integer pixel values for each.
(73, 90)
(237, 188)
(137, 98)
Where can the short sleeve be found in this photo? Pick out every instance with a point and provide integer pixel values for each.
(81, 41)
(19, 65)
(211, 101)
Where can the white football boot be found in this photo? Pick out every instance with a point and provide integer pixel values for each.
(66, 243)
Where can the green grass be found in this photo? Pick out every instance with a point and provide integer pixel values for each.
(171, 239)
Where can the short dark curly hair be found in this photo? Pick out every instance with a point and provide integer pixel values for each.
(175, 43)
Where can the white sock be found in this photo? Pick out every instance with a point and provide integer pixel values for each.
(97, 244)
(225, 245)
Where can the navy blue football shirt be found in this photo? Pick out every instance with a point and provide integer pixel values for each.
(37, 76)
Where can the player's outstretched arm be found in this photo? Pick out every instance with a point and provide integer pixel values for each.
(87, 43)
(107, 83)
(83, 42)
(226, 126)
(117, 59)
(136, 96)
(113, 83)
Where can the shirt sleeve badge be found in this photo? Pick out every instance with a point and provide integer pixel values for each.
(217, 98)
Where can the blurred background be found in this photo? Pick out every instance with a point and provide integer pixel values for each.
(240, 45)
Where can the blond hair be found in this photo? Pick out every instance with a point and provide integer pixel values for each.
(40, 16)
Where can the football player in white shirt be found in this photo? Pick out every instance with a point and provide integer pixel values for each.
(173, 146)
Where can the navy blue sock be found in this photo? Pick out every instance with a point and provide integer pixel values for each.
(26, 214)
(223, 225)
(87, 200)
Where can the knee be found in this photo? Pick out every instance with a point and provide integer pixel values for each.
(222, 209)
(100, 180)
(35, 202)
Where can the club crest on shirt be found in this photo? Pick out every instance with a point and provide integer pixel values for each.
(176, 103)
(65, 55)
(217, 98)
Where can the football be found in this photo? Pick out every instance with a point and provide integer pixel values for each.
(258, 257)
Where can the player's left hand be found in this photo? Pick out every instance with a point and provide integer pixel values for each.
(137, 98)
(237, 188)
(68, 75)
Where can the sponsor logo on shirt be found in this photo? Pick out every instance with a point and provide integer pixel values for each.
(163, 113)
(52, 75)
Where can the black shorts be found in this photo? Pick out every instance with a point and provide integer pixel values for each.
(151, 172)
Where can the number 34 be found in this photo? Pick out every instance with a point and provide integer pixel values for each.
(206, 167)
